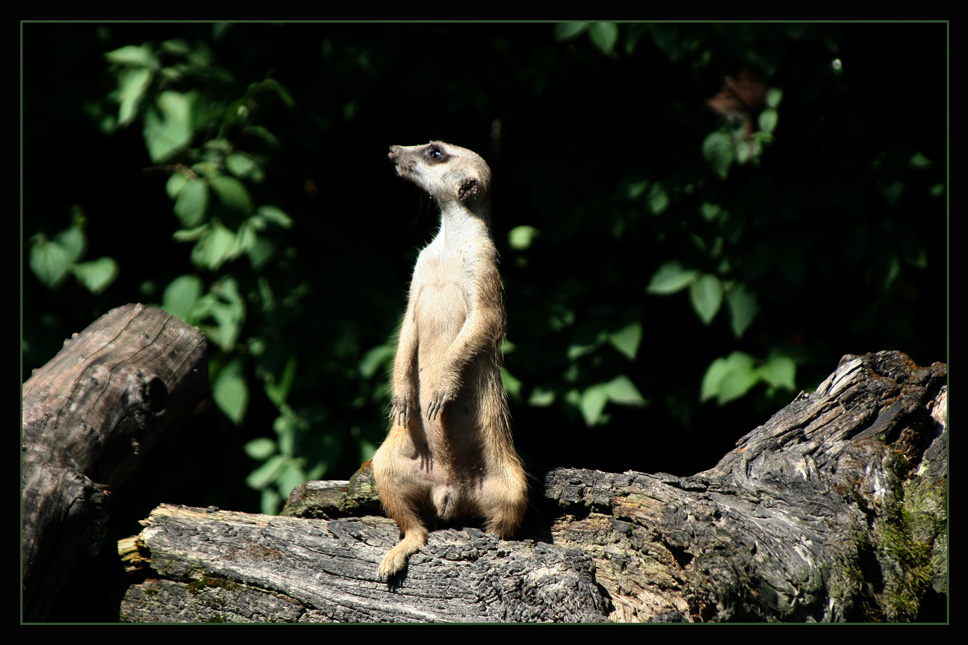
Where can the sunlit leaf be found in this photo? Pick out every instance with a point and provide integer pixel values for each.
(768, 119)
(621, 390)
(593, 402)
(779, 371)
(168, 126)
(230, 391)
(181, 295)
(742, 308)
(243, 166)
(774, 96)
(132, 55)
(521, 237)
(719, 151)
(627, 339)
(658, 199)
(706, 295)
(74, 242)
(96, 275)
(566, 30)
(273, 215)
(260, 449)
(604, 35)
(49, 262)
(132, 85)
(277, 389)
(192, 202)
(233, 194)
(670, 278)
(378, 358)
(266, 473)
(214, 248)
(729, 378)
(511, 384)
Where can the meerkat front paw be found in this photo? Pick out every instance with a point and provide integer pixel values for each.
(400, 407)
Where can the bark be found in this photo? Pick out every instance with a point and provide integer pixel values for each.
(834, 510)
(90, 416)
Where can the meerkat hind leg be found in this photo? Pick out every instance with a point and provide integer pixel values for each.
(396, 558)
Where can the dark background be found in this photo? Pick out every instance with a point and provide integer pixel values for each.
(595, 137)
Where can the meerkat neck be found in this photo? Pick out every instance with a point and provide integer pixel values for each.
(458, 223)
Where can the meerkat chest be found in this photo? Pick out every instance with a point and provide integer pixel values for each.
(442, 289)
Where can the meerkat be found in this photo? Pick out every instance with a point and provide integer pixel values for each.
(449, 451)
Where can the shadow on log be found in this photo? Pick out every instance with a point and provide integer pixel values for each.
(90, 416)
(834, 510)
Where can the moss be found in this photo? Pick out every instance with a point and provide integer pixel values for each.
(206, 582)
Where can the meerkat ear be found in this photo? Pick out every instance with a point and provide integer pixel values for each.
(469, 189)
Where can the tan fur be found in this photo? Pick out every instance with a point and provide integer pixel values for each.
(449, 452)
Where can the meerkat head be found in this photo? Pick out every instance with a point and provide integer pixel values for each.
(447, 172)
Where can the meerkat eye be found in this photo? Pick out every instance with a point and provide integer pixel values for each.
(436, 154)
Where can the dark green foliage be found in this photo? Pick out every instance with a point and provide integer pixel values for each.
(673, 272)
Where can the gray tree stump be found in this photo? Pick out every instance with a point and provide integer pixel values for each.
(89, 417)
(834, 510)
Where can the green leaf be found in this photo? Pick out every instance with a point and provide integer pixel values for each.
(96, 275)
(604, 35)
(567, 30)
(233, 194)
(719, 151)
(728, 378)
(779, 371)
(230, 391)
(168, 126)
(191, 234)
(270, 500)
(192, 202)
(541, 397)
(132, 85)
(621, 390)
(74, 242)
(521, 237)
(243, 166)
(291, 476)
(287, 429)
(281, 91)
(214, 247)
(593, 402)
(273, 215)
(706, 295)
(176, 47)
(277, 389)
(378, 358)
(260, 449)
(266, 473)
(742, 308)
(709, 211)
(174, 184)
(49, 261)
(627, 339)
(773, 97)
(768, 120)
(511, 384)
(181, 295)
(226, 306)
(658, 199)
(132, 55)
(670, 278)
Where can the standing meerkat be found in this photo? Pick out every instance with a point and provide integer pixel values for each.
(449, 452)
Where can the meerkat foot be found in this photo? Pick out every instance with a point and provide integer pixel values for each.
(396, 558)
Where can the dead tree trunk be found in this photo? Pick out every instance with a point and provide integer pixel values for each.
(834, 510)
(90, 415)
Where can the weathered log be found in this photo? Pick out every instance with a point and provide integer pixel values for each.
(90, 416)
(834, 510)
